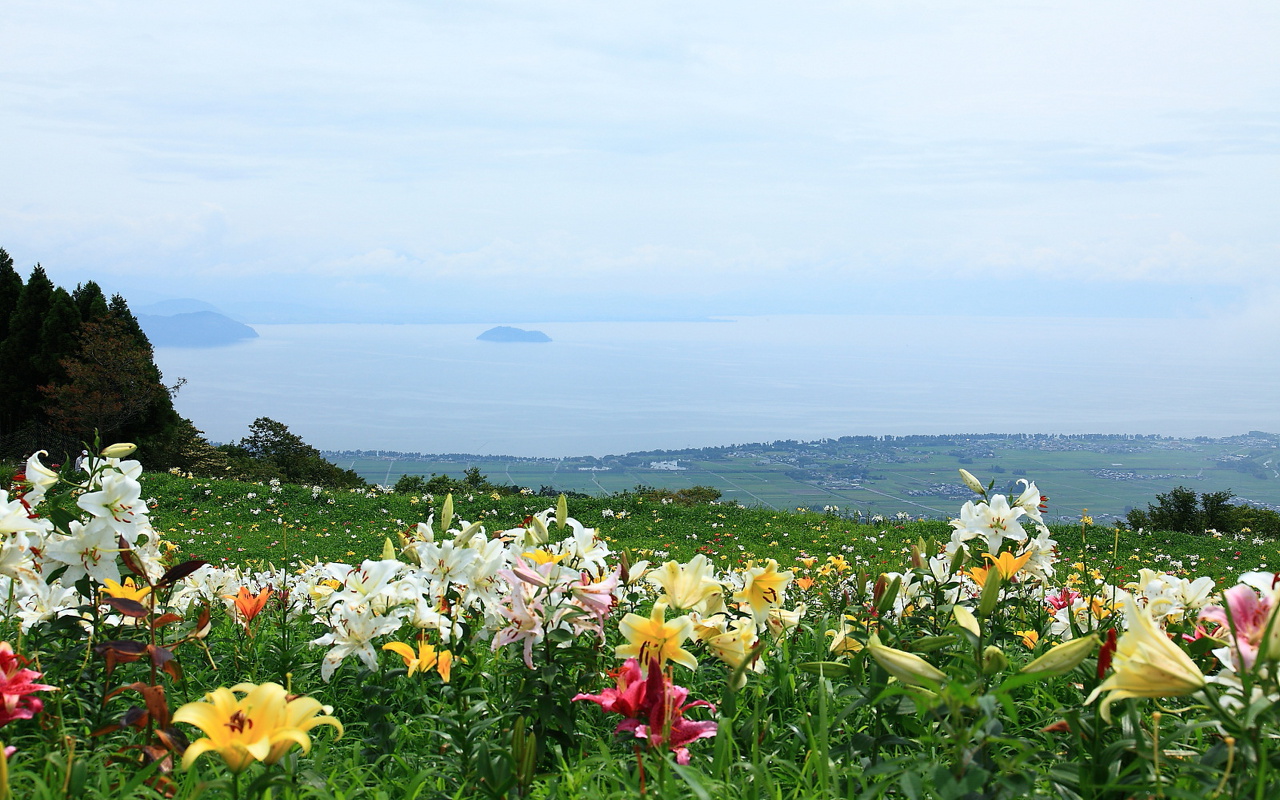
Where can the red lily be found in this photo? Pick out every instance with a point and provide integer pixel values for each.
(654, 708)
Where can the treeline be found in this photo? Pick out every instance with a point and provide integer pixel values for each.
(1184, 511)
(76, 367)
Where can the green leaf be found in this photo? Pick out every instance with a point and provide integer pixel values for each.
(830, 669)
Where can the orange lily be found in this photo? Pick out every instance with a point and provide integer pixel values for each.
(248, 605)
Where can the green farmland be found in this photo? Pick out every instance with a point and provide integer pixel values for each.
(890, 475)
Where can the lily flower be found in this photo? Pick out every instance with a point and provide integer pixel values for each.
(17, 685)
(259, 726)
(654, 708)
(1250, 613)
(425, 660)
(686, 586)
(654, 639)
(128, 591)
(249, 605)
(39, 477)
(994, 520)
(764, 588)
(1146, 664)
(1007, 563)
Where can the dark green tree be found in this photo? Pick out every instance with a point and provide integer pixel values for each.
(1182, 510)
(10, 291)
(59, 335)
(279, 451)
(90, 301)
(21, 370)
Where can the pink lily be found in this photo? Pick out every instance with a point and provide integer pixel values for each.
(16, 687)
(1243, 621)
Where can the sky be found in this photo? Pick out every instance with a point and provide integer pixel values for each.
(397, 161)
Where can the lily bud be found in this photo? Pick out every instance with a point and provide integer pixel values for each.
(562, 511)
(993, 660)
(1065, 657)
(957, 560)
(119, 450)
(446, 513)
(965, 619)
(906, 667)
(388, 550)
(890, 594)
(917, 557)
(972, 482)
(990, 593)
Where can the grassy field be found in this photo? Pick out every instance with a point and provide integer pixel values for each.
(238, 523)
(916, 475)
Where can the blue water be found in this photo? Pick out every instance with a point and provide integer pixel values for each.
(601, 388)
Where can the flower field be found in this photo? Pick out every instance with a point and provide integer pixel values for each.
(166, 636)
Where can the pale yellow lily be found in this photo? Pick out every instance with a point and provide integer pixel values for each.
(656, 639)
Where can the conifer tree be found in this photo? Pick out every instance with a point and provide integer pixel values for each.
(21, 370)
(58, 335)
(10, 290)
(90, 301)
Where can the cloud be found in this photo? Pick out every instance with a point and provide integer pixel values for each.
(728, 155)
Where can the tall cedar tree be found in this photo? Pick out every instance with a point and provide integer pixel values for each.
(20, 354)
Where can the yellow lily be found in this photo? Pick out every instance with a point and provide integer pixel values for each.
(260, 726)
(732, 644)
(128, 591)
(1146, 664)
(1007, 563)
(426, 659)
(653, 638)
(764, 588)
(687, 586)
(842, 641)
(546, 557)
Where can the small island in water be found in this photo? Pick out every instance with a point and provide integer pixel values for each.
(503, 333)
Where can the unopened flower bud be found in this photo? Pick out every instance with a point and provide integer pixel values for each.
(119, 450)
(906, 667)
(990, 593)
(965, 619)
(1065, 657)
(993, 660)
(972, 482)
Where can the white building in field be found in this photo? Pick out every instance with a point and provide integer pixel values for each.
(668, 465)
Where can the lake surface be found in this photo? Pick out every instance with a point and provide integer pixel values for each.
(603, 387)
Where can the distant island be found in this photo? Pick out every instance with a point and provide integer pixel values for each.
(504, 333)
(194, 329)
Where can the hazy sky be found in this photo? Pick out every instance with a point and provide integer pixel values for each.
(538, 160)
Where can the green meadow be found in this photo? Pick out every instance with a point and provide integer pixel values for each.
(245, 523)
